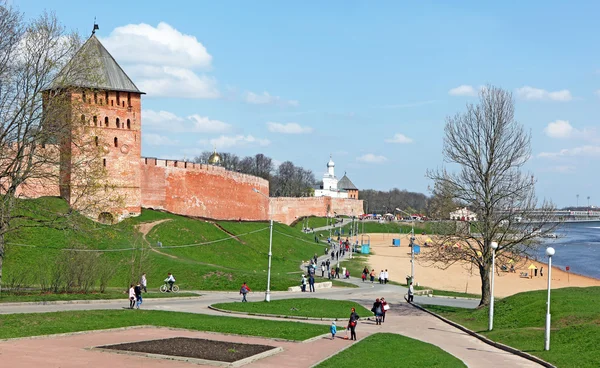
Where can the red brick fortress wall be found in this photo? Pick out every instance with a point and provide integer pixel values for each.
(287, 210)
(199, 190)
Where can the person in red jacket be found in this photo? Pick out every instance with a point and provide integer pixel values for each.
(245, 289)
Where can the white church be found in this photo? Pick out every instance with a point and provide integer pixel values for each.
(332, 187)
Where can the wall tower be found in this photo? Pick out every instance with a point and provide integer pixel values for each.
(109, 106)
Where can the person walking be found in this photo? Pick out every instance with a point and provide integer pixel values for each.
(385, 276)
(303, 283)
(385, 306)
(352, 322)
(144, 282)
(378, 311)
(322, 269)
(327, 263)
(337, 271)
(131, 297)
(138, 295)
(372, 276)
(333, 330)
(411, 292)
(244, 290)
(311, 283)
(381, 277)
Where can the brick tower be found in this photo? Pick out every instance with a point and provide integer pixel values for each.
(109, 106)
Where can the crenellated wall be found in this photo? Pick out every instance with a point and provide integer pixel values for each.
(287, 210)
(202, 190)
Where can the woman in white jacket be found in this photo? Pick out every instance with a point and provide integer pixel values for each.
(131, 297)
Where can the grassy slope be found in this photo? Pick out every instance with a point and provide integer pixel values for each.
(520, 319)
(21, 325)
(322, 308)
(313, 222)
(388, 350)
(219, 266)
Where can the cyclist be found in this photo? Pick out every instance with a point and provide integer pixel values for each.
(170, 280)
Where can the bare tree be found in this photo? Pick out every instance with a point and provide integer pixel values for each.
(46, 143)
(490, 148)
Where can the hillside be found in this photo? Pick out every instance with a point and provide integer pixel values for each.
(202, 255)
(519, 321)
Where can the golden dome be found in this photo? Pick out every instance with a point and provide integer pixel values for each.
(214, 159)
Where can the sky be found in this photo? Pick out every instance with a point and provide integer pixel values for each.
(370, 83)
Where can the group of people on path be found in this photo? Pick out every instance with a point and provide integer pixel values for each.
(383, 275)
(380, 307)
(135, 292)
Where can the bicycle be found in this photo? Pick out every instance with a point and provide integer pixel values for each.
(164, 288)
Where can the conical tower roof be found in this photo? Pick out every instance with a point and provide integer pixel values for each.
(346, 184)
(105, 73)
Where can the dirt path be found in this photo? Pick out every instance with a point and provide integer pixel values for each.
(145, 228)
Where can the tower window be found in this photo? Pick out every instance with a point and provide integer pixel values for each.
(106, 97)
(95, 121)
(83, 119)
(83, 97)
(95, 98)
(128, 124)
(104, 162)
(112, 102)
(106, 121)
(116, 142)
(123, 103)
(118, 123)
(118, 99)
(96, 141)
(128, 99)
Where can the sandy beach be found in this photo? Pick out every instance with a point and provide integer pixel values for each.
(459, 277)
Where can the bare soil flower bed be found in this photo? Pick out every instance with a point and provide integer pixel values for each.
(222, 351)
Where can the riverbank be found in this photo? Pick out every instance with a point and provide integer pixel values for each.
(462, 277)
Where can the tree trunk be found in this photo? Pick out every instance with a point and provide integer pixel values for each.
(484, 273)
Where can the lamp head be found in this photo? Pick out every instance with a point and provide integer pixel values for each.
(494, 245)
(550, 251)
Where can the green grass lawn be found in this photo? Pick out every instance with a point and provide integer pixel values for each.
(222, 265)
(446, 292)
(8, 297)
(519, 321)
(388, 350)
(313, 222)
(320, 308)
(22, 325)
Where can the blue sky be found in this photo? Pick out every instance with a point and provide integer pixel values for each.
(369, 82)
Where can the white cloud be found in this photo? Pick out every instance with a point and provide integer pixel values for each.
(531, 93)
(582, 151)
(399, 138)
(161, 60)
(266, 98)
(598, 93)
(372, 158)
(167, 81)
(223, 141)
(559, 129)
(289, 128)
(157, 140)
(167, 121)
(160, 45)
(463, 90)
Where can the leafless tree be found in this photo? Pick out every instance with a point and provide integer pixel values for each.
(46, 141)
(488, 147)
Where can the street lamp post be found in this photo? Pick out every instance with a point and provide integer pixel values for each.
(412, 248)
(268, 292)
(494, 246)
(549, 252)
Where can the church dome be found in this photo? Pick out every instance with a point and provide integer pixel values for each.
(330, 163)
(214, 159)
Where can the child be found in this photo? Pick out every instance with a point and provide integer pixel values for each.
(333, 330)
